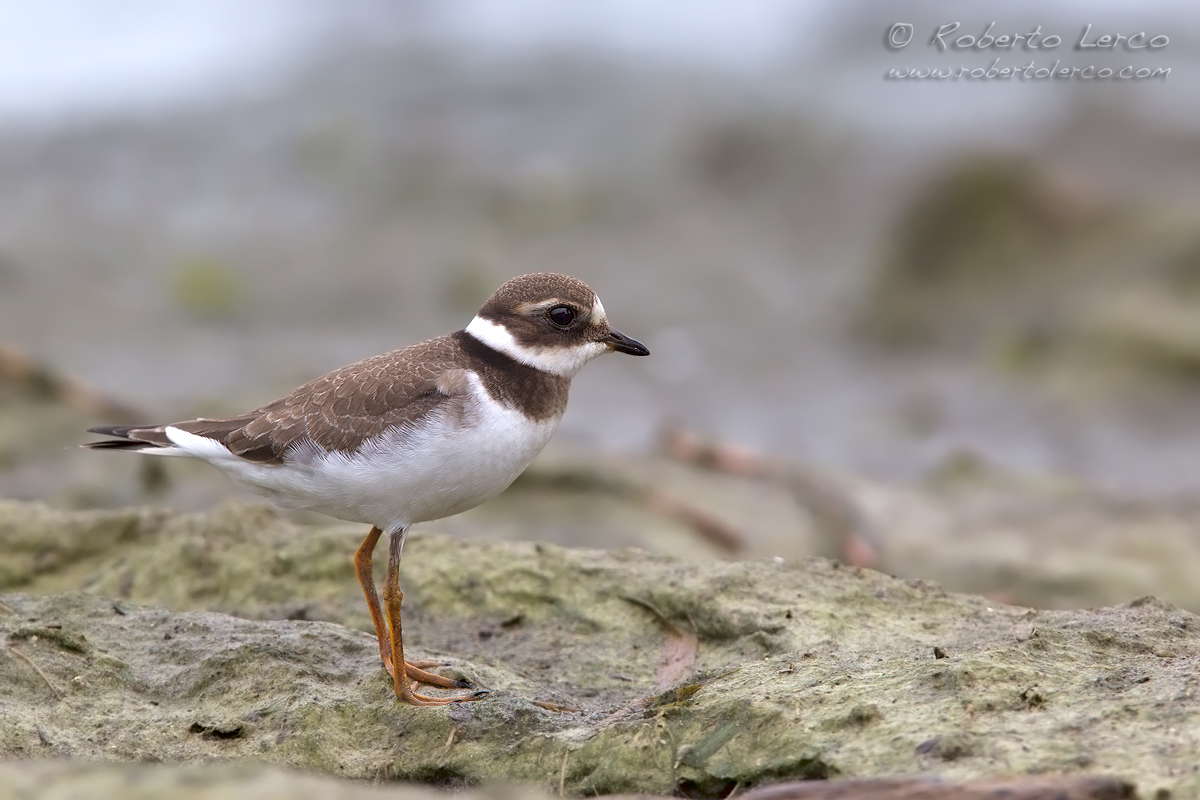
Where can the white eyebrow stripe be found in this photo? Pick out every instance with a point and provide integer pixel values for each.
(546, 305)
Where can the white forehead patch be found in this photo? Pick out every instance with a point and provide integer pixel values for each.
(598, 312)
(564, 361)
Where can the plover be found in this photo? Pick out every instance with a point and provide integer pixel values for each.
(409, 436)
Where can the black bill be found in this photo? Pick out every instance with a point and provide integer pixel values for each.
(623, 344)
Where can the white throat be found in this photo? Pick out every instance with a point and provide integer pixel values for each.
(563, 361)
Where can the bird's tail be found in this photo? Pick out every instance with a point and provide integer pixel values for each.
(134, 438)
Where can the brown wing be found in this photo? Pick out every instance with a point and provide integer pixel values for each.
(337, 412)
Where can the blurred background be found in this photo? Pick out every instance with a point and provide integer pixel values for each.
(920, 293)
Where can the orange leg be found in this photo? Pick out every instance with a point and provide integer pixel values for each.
(393, 597)
(362, 565)
(391, 649)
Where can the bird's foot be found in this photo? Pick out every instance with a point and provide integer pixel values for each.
(405, 694)
(415, 672)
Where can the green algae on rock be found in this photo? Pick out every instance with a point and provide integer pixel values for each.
(803, 670)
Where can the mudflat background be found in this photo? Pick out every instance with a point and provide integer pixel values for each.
(942, 334)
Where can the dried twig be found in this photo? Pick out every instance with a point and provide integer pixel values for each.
(705, 525)
(43, 380)
(835, 514)
(557, 708)
(12, 649)
(449, 741)
(680, 650)
(589, 479)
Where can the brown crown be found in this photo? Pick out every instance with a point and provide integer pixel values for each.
(536, 287)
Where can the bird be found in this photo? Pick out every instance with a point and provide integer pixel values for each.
(409, 436)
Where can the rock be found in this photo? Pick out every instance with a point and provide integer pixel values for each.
(970, 251)
(1039, 542)
(56, 780)
(53, 780)
(801, 670)
(1154, 331)
(1053, 788)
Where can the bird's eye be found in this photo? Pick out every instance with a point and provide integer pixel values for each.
(562, 316)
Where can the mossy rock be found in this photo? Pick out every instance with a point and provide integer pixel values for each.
(968, 248)
(686, 677)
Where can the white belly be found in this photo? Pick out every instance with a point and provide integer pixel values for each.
(404, 476)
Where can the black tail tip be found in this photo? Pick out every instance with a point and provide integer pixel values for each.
(116, 444)
(120, 431)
